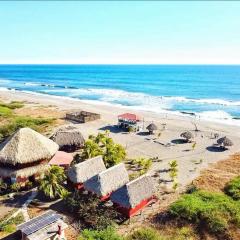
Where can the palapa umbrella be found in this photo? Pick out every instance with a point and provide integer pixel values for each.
(224, 142)
(187, 135)
(152, 127)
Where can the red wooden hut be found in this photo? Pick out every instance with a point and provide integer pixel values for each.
(134, 196)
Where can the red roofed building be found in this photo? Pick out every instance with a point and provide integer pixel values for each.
(129, 121)
(61, 159)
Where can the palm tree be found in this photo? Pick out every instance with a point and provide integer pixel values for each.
(51, 184)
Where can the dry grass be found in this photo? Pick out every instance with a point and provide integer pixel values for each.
(215, 177)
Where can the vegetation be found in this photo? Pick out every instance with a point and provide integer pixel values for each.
(12, 105)
(52, 183)
(90, 212)
(233, 188)
(106, 234)
(145, 234)
(102, 144)
(173, 172)
(9, 226)
(215, 211)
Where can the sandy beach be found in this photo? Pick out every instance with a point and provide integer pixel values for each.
(164, 148)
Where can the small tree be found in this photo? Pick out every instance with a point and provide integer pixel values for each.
(52, 183)
(102, 144)
(194, 146)
(173, 172)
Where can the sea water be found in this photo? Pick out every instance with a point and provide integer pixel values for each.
(206, 91)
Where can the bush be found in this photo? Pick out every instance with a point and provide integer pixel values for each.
(18, 122)
(12, 105)
(90, 212)
(215, 210)
(145, 234)
(107, 234)
(233, 188)
(10, 225)
(5, 112)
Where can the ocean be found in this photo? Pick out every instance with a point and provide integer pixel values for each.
(209, 92)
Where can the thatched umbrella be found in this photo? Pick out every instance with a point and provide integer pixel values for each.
(69, 138)
(107, 181)
(25, 153)
(134, 193)
(224, 142)
(151, 128)
(187, 135)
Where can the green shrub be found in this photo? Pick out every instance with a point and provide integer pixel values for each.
(145, 234)
(106, 234)
(233, 188)
(10, 225)
(12, 105)
(5, 112)
(19, 122)
(215, 210)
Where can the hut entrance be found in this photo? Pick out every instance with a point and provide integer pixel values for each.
(32, 179)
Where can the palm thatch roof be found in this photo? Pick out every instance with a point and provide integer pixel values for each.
(187, 135)
(152, 127)
(83, 171)
(108, 180)
(68, 137)
(131, 194)
(26, 146)
(24, 172)
(225, 141)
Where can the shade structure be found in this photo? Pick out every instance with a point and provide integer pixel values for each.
(69, 138)
(81, 172)
(187, 135)
(133, 196)
(61, 159)
(107, 181)
(224, 141)
(152, 127)
(129, 117)
(26, 146)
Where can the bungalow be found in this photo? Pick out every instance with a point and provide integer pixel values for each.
(134, 196)
(81, 172)
(107, 181)
(25, 155)
(69, 138)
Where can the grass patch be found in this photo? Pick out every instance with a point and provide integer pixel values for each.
(233, 188)
(5, 112)
(107, 234)
(216, 211)
(16, 122)
(12, 105)
(145, 234)
(11, 225)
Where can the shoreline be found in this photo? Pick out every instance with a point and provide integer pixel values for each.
(234, 122)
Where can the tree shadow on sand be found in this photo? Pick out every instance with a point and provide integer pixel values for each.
(113, 129)
(179, 141)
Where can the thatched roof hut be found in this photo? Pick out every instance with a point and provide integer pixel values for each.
(134, 192)
(108, 181)
(25, 154)
(187, 135)
(83, 171)
(224, 142)
(26, 146)
(152, 127)
(69, 138)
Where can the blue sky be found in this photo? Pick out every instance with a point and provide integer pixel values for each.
(120, 32)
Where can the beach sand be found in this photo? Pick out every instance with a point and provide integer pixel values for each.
(190, 162)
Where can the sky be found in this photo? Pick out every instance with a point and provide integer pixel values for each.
(144, 32)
